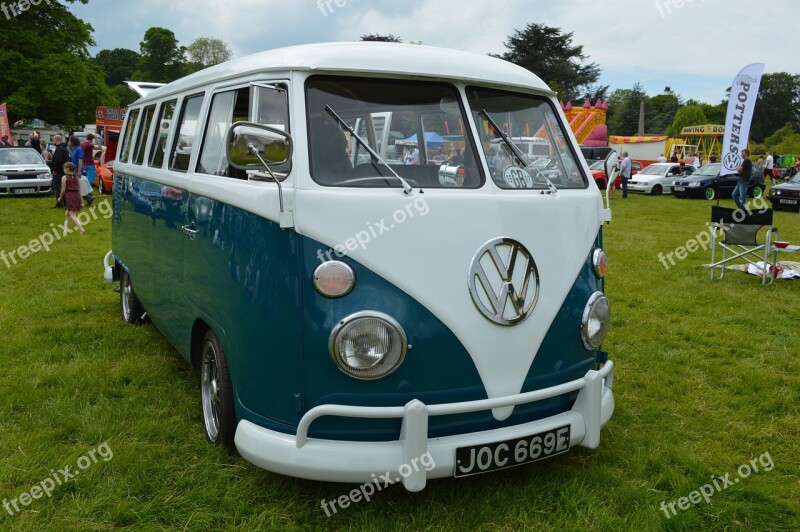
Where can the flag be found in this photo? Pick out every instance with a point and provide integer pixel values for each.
(5, 126)
(744, 93)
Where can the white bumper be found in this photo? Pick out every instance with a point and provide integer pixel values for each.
(360, 462)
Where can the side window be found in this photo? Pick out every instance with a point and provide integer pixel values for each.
(272, 109)
(184, 140)
(144, 133)
(163, 127)
(127, 142)
(226, 108)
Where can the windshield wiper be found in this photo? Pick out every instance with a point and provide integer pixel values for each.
(521, 157)
(406, 187)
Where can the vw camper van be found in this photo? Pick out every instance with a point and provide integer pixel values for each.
(353, 313)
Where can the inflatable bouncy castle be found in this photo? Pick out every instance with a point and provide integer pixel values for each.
(588, 123)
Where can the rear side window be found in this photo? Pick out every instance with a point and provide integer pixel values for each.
(144, 133)
(162, 129)
(127, 142)
(184, 140)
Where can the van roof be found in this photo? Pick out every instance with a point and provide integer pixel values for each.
(360, 57)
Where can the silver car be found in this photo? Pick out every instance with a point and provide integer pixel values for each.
(23, 171)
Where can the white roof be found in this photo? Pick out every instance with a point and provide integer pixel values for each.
(365, 57)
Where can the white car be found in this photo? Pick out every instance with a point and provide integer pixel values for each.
(657, 178)
(23, 171)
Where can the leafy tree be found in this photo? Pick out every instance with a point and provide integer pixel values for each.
(785, 141)
(162, 59)
(623, 110)
(550, 53)
(380, 38)
(778, 104)
(47, 73)
(208, 51)
(688, 115)
(715, 113)
(664, 107)
(118, 64)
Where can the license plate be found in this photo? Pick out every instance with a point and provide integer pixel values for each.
(24, 191)
(679, 189)
(479, 459)
(789, 201)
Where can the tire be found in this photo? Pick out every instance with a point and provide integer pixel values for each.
(100, 187)
(216, 394)
(757, 191)
(710, 193)
(130, 308)
(657, 190)
(601, 184)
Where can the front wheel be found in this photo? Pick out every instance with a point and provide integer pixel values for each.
(100, 188)
(657, 190)
(216, 391)
(130, 308)
(710, 193)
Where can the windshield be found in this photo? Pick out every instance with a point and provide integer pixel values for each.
(416, 127)
(524, 115)
(709, 170)
(598, 165)
(654, 169)
(11, 156)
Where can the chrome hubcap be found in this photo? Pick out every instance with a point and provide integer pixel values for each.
(209, 389)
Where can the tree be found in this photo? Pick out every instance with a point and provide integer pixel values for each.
(162, 59)
(623, 109)
(785, 141)
(47, 73)
(778, 104)
(664, 107)
(208, 51)
(380, 38)
(118, 64)
(688, 115)
(550, 54)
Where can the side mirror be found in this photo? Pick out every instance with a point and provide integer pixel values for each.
(250, 146)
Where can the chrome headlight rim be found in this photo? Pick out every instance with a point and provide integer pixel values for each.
(587, 312)
(333, 264)
(350, 319)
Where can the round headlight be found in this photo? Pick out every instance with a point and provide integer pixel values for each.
(334, 279)
(600, 261)
(596, 320)
(368, 345)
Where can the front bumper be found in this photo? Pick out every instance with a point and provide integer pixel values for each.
(640, 188)
(689, 192)
(360, 462)
(12, 187)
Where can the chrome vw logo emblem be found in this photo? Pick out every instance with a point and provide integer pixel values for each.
(504, 281)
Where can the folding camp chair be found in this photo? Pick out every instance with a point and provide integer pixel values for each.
(736, 232)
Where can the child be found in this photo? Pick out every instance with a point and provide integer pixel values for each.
(70, 191)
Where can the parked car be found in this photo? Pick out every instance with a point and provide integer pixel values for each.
(707, 183)
(786, 196)
(595, 153)
(23, 171)
(657, 178)
(105, 176)
(600, 177)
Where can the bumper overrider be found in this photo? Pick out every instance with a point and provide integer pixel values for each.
(359, 462)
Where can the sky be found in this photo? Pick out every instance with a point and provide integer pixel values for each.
(695, 47)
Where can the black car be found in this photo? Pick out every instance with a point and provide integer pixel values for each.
(786, 196)
(707, 183)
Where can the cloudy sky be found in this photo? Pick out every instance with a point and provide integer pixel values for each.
(695, 47)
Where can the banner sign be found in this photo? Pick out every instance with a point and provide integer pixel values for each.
(708, 130)
(110, 118)
(5, 126)
(744, 93)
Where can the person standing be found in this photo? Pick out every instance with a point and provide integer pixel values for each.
(71, 196)
(77, 160)
(662, 159)
(88, 158)
(745, 171)
(4, 142)
(60, 157)
(625, 173)
(769, 165)
(36, 142)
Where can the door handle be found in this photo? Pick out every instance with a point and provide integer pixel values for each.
(190, 230)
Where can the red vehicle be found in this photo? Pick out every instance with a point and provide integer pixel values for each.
(105, 176)
(600, 177)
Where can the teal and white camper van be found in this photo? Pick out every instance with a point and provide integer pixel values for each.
(365, 268)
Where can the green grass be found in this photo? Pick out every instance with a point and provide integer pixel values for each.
(707, 378)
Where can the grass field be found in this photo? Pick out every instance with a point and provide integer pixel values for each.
(707, 379)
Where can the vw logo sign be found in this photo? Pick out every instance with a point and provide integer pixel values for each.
(732, 161)
(504, 281)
